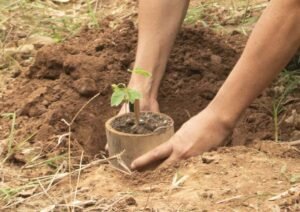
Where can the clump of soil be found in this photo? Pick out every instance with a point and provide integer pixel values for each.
(148, 123)
(66, 75)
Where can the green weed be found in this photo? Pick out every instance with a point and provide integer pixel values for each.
(289, 81)
(92, 14)
(194, 14)
(11, 136)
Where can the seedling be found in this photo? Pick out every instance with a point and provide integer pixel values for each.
(124, 95)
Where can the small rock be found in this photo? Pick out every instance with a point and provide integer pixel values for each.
(39, 41)
(207, 195)
(26, 49)
(36, 110)
(22, 35)
(26, 63)
(129, 121)
(207, 158)
(130, 201)
(216, 59)
(235, 32)
(45, 103)
(15, 72)
(142, 122)
(86, 87)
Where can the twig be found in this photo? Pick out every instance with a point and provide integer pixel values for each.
(79, 111)
(70, 131)
(55, 175)
(294, 143)
(148, 197)
(286, 193)
(78, 177)
(115, 202)
(187, 113)
(116, 168)
(229, 199)
(46, 193)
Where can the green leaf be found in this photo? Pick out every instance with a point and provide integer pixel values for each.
(133, 95)
(117, 97)
(115, 87)
(141, 72)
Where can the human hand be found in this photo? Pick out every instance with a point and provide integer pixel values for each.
(201, 133)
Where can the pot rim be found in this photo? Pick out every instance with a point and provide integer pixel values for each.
(111, 129)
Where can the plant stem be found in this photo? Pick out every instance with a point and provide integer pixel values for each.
(137, 111)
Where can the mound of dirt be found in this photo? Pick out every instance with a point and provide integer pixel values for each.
(66, 75)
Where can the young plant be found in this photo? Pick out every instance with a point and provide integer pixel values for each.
(124, 95)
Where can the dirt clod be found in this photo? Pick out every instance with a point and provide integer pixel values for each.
(86, 87)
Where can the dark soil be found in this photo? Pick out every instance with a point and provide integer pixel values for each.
(149, 123)
(66, 75)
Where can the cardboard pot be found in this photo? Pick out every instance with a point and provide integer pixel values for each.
(135, 145)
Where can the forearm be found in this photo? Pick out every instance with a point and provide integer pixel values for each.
(273, 42)
(159, 22)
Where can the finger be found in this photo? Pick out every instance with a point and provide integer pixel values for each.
(159, 153)
(171, 160)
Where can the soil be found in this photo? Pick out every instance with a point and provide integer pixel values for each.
(148, 123)
(66, 75)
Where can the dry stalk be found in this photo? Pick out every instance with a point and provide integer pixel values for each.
(294, 143)
(78, 177)
(284, 194)
(58, 177)
(70, 135)
(46, 193)
(229, 199)
(114, 203)
(121, 162)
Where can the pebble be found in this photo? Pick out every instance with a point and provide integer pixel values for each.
(86, 87)
(216, 59)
